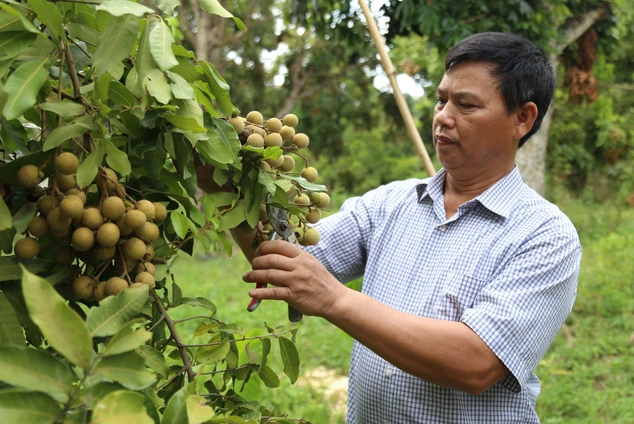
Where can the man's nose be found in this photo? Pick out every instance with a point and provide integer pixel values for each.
(445, 116)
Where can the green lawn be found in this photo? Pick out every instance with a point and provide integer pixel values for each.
(587, 375)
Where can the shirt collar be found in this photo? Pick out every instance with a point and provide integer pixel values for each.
(499, 198)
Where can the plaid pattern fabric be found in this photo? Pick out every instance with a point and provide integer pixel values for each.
(506, 265)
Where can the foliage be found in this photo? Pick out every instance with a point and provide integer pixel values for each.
(138, 119)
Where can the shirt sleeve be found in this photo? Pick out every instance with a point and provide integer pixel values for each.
(519, 313)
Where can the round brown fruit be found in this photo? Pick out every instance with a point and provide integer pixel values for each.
(290, 120)
(77, 192)
(66, 182)
(288, 165)
(108, 177)
(72, 206)
(276, 163)
(311, 237)
(237, 123)
(26, 248)
(57, 220)
(38, 227)
(134, 249)
(310, 174)
(287, 133)
(149, 253)
(66, 163)
(82, 239)
(145, 278)
(46, 203)
(146, 267)
(99, 293)
(313, 216)
(63, 255)
(101, 253)
(149, 233)
(108, 234)
(115, 285)
(301, 140)
(147, 208)
(83, 287)
(161, 212)
(301, 200)
(92, 218)
(28, 176)
(255, 140)
(135, 219)
(113, 208)
(274, 125)
(323, 201)
(123, 227)
(273, 139)
(255, 117)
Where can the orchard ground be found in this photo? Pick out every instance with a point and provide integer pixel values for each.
(587, 376)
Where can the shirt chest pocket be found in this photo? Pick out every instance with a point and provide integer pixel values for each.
(457, 294)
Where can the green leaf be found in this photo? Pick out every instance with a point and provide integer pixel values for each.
(269, 377)
(116, 42)
(117, 160)
(215, 150)
(232, 218)
(304, 183)
(123, 7)
(14, 42)
(158, 86)
(62, 327)
(115, 311)
(121, 407)
(154, 360)
(180, 224)
(3, 96)
(20, 407)
(219, 88)
(144, 63)
(11, 268)
(36, 370)
(161, 41)
(84, 33)
(213, 354)
(8, 22)
(119, 94)
(89, 168)
(11, 333)
(62, 133)
(180, 86)
(185, 123)
(198, 411)
(22, 87)
(49, 15)
(127, 369)
(266, 349)
(155, 159)
(63, 108)
(6, 220)
(290, 358)
(214, 6)
(167, 6)
(130, 337)
(176, 409)
(201, 302)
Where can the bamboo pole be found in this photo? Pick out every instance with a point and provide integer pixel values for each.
(400, 99)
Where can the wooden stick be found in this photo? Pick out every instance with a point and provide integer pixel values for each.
(400, 99)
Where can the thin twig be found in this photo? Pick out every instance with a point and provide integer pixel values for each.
(70, 62)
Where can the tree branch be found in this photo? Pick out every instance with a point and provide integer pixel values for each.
(575, 28)
(72, 71)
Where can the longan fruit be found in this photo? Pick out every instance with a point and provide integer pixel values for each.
(274, 125)
(135, 285)
(311, 237)
(83, 287)
(287, 133)
(38, 227)
(82, 239)
(115, 285)
(72, 206)
(108, 234)
(313, 216)
(322, 201)
(255, 117)
(60, 233)
(237, 123)
(273, 139)
(310, 174)
(99, 293)
(145, 278)
(255, 140)
(147, 208)
(134, 248)
(77, 192)
(160, 212)
(66, 182)
(288, 165)
(100, 253)
(149, 232)
(301, 200)
(124, 228)
(66, 163)
(46, 203)
(300, 140)
(108, 177)
(57, 220)
(29, 176)
(26, 248)
(145, 267)
(149, 253)
(290, 120)
(264, 166)
(92, 218)
(135, 219)
(113, 208)
(276, 163)
(63, 255)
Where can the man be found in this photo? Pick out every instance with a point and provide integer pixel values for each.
(468, 275)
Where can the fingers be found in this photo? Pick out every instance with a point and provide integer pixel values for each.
(271, 293)
(279, 247)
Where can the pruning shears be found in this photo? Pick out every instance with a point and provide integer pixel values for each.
(281, 231)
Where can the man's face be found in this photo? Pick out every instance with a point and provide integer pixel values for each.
(473, 133)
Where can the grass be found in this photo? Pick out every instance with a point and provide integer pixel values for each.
(587, 375)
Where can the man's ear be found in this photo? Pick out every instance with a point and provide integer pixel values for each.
(526, 117)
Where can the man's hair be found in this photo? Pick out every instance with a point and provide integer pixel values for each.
(523, 71)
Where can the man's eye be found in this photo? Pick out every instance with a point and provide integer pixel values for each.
(466, 105)
(440, 101)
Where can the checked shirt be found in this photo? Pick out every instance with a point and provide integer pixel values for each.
(506, 265)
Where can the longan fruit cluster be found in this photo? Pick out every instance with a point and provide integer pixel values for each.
(102, 229)
(257, 133)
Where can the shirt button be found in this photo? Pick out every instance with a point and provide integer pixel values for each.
(388, 372)
(442, 227)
